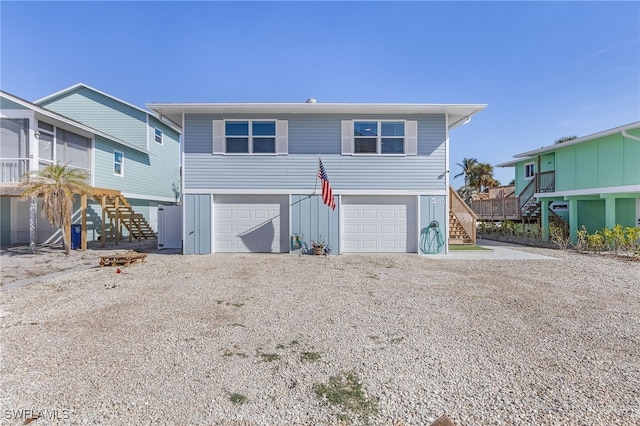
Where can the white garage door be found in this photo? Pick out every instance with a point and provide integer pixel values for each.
(380, 224)
(250, 223)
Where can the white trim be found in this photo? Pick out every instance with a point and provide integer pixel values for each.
(418, 225)
(460, 113)
(150, 197)
(147, 130)
(250, 135)
(590, 191)
(113, 169)
(447, 201)
(182, 203)
(14, 114)
(308, 191)
(155, 131)
(212, 223)
(524, 169)
(379, 137)
(576, 141)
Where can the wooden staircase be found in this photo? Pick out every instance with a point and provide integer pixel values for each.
(462, 220)
(457, 233)
(119, 212)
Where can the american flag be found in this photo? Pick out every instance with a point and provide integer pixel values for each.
(327, 192)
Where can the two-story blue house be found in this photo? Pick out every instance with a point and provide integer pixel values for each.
(250, 174)
(132, 159)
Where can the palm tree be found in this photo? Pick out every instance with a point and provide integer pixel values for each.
(56, 184)
(482, 177)
(565, 139)
(467, 166)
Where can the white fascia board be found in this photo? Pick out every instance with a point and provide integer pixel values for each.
(306, 191)
(589, 191)
(513, 163)
(459, 112)
(150, 197)
(583, 139)
(70, 122)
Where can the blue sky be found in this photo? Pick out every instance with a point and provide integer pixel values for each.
(545, 69)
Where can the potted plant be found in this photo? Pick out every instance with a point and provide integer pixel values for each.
(318, 246)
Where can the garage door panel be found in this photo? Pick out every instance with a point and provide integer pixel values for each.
(387, 214)
(225, 214)
(370, 229)
(388, 229)
(242, 214)
(250, 223)
(350, 213)
(369, 214)
(379, 224)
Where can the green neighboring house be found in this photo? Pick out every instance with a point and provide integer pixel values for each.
(591, 181)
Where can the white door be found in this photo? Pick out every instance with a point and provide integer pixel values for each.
(45, 233)
(379, 224)
(251, 223)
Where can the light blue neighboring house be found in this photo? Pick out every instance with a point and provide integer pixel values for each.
(250, 175)
(121, 147)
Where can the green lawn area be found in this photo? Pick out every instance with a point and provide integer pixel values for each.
(461, 247)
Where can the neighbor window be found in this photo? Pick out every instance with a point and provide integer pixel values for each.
(118, 163)
(251, 136)
(378, 137)
(529, 170)
(158, 136)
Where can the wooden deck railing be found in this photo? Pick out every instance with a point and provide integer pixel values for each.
(463, 213)
(511, 208)
(497, 208)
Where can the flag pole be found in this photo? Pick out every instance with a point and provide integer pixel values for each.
(315, 185)
(317, 201)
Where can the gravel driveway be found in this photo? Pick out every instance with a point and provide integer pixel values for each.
(261, 339)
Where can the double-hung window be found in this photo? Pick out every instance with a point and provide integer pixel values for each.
(529, 170)
(250, 137)
(118, 163)
(158, 136)
(379, 137)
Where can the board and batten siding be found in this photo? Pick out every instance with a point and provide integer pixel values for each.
(308, 137)
(313, 221)
(197, 224)
(103, 113)
(604, 162)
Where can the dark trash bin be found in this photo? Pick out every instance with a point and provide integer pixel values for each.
(76, 236)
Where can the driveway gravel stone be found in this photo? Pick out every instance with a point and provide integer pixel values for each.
(487, 342)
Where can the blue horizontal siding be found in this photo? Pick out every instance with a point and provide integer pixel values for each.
(102, 113)
(320, 134)
(314, 135)
(149, 175)
(308, 137)
(9, 104)
(413, 173)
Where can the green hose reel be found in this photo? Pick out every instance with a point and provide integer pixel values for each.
(431, 239)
